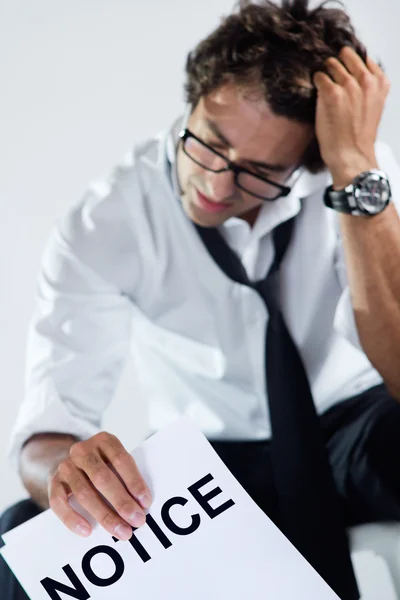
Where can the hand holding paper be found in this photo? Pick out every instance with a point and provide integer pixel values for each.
(90, 473)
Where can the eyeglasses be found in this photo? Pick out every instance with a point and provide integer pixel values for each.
(208, 158)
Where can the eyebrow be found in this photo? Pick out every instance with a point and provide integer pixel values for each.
(276, 168)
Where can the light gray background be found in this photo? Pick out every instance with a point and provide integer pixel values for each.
(80, 83)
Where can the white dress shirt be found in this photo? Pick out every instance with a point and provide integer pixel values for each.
(125, 271)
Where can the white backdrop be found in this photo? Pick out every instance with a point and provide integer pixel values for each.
(80, 83)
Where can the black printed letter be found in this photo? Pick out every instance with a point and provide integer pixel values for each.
(204, 500)
(158, 532)
(137, 546)
(52, 587)
(115, 557)
(170, 523)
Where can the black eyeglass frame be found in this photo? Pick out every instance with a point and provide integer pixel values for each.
(231, 166)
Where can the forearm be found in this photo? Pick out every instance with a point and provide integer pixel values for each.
(39, 458)
(372, 252)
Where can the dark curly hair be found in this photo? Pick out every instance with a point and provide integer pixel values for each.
(275, 51)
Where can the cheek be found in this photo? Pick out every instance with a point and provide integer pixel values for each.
(187, 170)
(248, 204)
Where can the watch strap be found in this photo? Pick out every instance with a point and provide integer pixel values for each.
(342, 200)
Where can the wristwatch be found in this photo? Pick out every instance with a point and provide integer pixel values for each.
(367, 195)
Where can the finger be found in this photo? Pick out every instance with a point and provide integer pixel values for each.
(108, 484)
(379, 74)
(125, 466)
(354, 63)
(338, 71)
(90, 499)
(58, 499)
(323, 82)
(374, 67)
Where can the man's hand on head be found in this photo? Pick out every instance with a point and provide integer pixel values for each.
(350, 105)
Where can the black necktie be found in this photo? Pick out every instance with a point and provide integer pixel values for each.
(309, 511)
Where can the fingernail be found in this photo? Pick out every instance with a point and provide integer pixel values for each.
(137, 519)
(83, 530)
(145, 500)
(123, 532)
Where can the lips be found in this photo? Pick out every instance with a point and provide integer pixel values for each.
(209, 205)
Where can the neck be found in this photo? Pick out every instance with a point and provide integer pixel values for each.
(251, 216)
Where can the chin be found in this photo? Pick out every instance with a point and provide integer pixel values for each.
(202, 218)
(203, 222)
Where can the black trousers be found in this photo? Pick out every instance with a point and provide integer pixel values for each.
(362, 436)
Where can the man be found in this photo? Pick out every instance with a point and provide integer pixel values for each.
(284, 104)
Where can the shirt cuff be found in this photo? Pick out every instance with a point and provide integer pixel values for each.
(44, 411)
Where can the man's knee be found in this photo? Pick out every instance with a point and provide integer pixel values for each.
(17, 514)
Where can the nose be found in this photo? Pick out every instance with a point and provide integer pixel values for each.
(221, 186)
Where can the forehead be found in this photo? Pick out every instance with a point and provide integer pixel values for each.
(252, 129)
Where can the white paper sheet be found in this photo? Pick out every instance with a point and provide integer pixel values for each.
(232, 553)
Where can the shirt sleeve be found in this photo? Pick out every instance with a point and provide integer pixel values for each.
(344, 321)
(79, 333)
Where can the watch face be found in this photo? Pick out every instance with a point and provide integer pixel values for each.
(372, 193)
